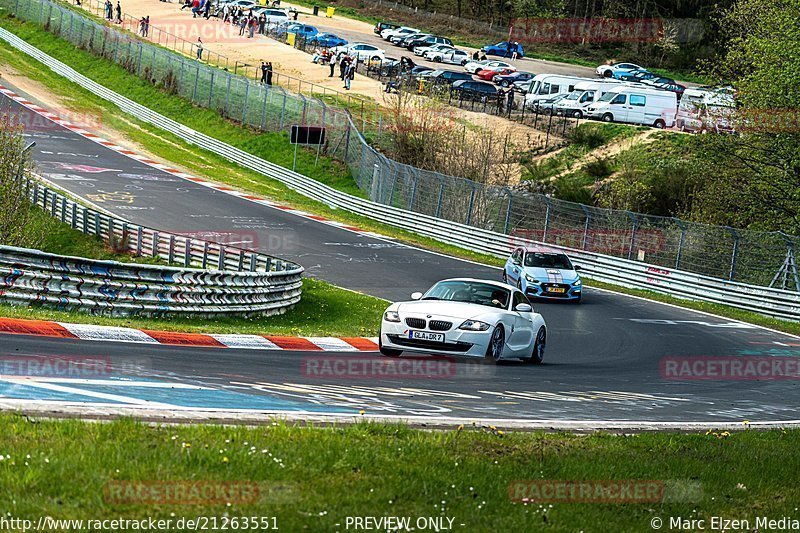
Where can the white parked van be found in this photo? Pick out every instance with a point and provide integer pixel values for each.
(636, 105)
(703, 110)
(544, 86)
(585, 94)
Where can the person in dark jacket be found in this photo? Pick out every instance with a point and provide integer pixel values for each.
(269, 73)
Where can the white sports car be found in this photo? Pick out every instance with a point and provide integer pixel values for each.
(471, 317)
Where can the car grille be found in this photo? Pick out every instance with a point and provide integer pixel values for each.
(440, 325)
(434, 346)
(417, 323)
(547, 288)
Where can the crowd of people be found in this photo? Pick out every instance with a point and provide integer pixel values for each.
(347, 64)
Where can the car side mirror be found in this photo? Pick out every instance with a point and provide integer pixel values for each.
(416, 296)
(523, 308)
(576, 267)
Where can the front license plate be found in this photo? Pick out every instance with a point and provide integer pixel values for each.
(425, 336)
(556, 289)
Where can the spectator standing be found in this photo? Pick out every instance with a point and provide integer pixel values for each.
(350, 73)
(501, 98)
(207, 10)
(147, 26)
(476, 56)
(508, 49)
(195, 8)
(252, 25)
(269, 73)
(510, 100)
(332, 64)
(119, 13)
(262, 24)
(515, 54)
(342, 66)
(141, 26)
(226, 13)
(264, 72)
(242, 25)
(199, 49)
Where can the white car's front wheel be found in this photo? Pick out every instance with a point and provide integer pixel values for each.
(537, 356)
(494, 351)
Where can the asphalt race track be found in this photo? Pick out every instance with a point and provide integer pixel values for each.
(605, 360)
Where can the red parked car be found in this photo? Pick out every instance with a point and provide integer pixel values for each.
(488, 74)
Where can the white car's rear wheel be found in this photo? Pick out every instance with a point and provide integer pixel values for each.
(494, 351)
(537, 356)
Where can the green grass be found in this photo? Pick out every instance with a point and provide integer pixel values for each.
(205, 164)
(313, 478)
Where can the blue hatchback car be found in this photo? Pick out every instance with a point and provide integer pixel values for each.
(539, 274)
(327, 40)
(504, 49)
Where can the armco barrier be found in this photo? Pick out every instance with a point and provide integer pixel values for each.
(229, 281)
(771, 302)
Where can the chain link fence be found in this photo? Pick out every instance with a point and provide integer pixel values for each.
(741, 255)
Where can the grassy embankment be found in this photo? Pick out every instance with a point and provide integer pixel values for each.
(315, 477)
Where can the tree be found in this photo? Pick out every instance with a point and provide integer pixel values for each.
(17, 220)
(754, 177)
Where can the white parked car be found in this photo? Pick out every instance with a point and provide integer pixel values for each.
(274, 16)
(454, 57)
(422, 50)
(470, 317)
(362, 51)
(474, 66)
(606, 71)
(403, 30)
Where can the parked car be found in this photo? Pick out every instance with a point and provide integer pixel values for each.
(607, 71)
(522, 86)
(548, 105)
(706, 110)
(543, 86)
(362, 51)
(585, 94)
(443, 47)
(473, 90)
(327, 40)
(430, 40)
(274, 16)
(633, 75)
(453, 57)
(419, 69)
(489, 73)
(402, 31)
(381, 26)
(474, 66)
(440, 77)
(504, 49)
(402, 39)
(506, 80)
(667, 84)
(636, 105)
(302, 31)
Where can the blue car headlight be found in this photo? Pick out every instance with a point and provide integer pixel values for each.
(474, 325)
(531, 279)
(577, 283)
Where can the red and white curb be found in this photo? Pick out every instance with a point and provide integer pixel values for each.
(175, 172)
(89, 332)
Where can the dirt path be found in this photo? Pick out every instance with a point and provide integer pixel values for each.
(608, 150)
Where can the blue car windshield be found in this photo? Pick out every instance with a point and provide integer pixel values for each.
(470, 292)
(540, 260)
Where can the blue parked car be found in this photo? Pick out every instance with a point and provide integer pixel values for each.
(539, 274)
(327, 40)
(507, 80)
(303, 31)
(503, 49)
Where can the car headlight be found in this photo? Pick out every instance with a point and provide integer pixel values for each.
(391, 316)
(474, 325)
(577, 283)
(531, 279)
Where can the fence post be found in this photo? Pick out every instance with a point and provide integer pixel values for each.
(585, 226)
(154, 244)
(171, 250)
(139, 236)
(205, 255)
(347, 141)
(263, 107)
(441, 197)
(635, 223)
(471, 204)
(85, 223)
(546, 218)
(187, 252)
(680, 243)
(507, 223)
(246, 96)
(413, 195)
(734, 254)
(210, 88)
(283, 111)
(227, 95)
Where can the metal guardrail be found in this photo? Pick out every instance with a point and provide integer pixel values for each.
(229, 282)
(628, 273)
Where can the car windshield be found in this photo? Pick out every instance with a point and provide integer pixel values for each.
(607, 97)
(471, 292)
(574, 95)
(540, 260)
